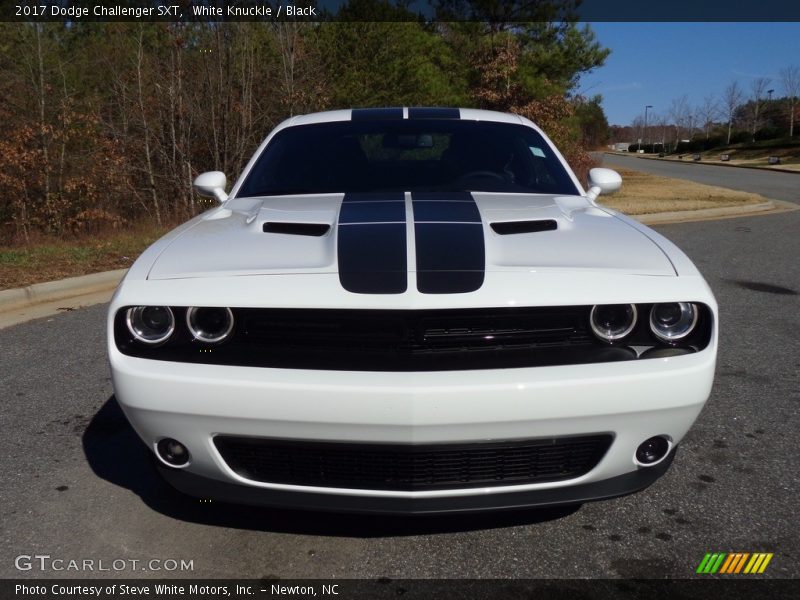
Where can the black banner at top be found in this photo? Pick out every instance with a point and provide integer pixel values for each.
(508, 12)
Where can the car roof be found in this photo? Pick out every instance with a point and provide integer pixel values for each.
(468, 114)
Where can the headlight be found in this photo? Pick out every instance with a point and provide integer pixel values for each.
(611, 322)
(672, 321)
(150, 324)
(209, 325)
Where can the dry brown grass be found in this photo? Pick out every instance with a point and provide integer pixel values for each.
(643, 194)
(49, 259)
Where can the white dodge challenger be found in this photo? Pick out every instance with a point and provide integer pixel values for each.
(411, 310)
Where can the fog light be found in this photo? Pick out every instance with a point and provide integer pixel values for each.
(173, 452)
(666, 352)
(652, 451)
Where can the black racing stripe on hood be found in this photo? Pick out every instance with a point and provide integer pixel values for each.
(433, 112)
(370, 114)
(428, 211)
(372, 212)
(371, 244)
(451, 255)
(442, 197)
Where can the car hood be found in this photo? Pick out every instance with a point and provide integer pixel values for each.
(506, 232)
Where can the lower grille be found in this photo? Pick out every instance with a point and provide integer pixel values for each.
(411, 467)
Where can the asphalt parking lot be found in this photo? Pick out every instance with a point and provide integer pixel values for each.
(76, 483)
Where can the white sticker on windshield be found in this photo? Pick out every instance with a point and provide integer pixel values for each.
(537, 151)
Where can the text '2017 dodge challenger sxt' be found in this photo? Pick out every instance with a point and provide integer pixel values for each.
(411, 310)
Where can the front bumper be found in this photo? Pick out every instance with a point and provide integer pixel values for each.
(614, 487)
(632, 401)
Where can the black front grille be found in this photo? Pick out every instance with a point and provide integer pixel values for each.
(411, 467)
(418, 340)
(416, 332)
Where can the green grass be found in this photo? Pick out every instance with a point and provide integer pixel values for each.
(13, 258)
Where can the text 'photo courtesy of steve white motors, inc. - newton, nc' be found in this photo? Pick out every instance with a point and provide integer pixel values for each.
(174, 590)
(175, 11)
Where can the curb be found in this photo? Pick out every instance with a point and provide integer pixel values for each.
(706, 214)
(60, 290)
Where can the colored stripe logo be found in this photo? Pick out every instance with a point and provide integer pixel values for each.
(734, 563)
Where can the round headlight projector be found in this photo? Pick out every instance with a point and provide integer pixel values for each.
(210, 325)
(673, 321)
(612, 322)
(150, 324)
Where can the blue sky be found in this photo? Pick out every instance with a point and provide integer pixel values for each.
(652, 63)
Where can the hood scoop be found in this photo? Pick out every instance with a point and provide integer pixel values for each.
(308, 229)
(515, 227)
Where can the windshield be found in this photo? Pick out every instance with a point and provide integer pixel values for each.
(407, 155)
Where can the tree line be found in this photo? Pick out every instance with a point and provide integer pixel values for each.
(108, 124)
(765, 109)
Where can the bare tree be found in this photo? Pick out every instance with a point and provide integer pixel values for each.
(36, 71)
(679, 111)
(289, 40)
(758, 87)
(790, 78)
(661, 122)
(692, 120)
(707, 112)
(148, 152)
(301, 82)
(638, 126)
(731, 99)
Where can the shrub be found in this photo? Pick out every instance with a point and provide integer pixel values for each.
(741, 137)
(93, 221)
(768, 133)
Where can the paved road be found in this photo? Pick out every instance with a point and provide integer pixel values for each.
(774, 185)
(75, 484)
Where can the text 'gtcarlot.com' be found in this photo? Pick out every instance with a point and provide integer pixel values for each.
(45, 562)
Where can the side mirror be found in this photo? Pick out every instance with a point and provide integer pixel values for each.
(603, 181)
(212, 185)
